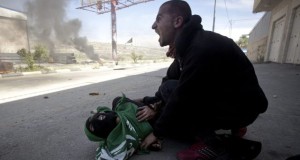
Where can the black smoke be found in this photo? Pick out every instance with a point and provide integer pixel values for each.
(49, 25)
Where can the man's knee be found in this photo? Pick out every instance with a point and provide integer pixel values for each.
(167, 88)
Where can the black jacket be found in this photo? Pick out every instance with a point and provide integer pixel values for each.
(218, 87)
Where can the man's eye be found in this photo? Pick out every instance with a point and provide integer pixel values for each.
(101, 117)
(158, 19)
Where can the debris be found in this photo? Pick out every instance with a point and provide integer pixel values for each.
(94, 94)
(6, 67)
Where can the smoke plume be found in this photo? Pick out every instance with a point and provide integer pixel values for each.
(48, 24)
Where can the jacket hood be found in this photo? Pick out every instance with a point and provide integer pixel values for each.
(187, 34)
(89, 134)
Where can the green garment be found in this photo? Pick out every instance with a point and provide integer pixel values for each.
(125, 138)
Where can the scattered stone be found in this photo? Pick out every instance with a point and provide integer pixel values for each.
(94, 94)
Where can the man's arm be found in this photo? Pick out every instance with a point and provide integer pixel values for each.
(180, 107)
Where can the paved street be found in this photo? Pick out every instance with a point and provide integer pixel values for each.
(29, 84)
(50, 126)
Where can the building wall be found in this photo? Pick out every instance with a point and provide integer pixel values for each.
(281, 28)
(293, 33)
(258, 37)
(282, 11)
(277, 35)
(13, 31)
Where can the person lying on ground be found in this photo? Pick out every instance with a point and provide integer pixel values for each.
(118, 131)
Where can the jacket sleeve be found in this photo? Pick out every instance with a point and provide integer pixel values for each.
(179, 107)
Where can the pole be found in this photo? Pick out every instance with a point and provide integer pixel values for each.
(213, 29)
(28, 34)
(114, 30)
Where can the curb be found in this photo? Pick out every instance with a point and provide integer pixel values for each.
(6, 75)
(31, 73)
(11, 75)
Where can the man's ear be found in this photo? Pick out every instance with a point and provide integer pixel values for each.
(178, 22)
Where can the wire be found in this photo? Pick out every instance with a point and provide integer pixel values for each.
(227, 11)
(229, 21)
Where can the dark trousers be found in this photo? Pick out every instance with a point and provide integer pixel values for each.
(164, 92)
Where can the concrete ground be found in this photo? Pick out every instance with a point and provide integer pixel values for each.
(278, 129)
(38, 128)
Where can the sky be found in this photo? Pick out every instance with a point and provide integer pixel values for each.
(233, 18)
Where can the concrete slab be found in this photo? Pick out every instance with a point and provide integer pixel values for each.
(52, 128)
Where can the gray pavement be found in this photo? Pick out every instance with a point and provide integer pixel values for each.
(52, 128)
(278, 128)
(29, 84)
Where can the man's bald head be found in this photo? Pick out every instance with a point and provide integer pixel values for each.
(178, 8)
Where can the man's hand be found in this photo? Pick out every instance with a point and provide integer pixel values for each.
(148, 141)
(145, 113)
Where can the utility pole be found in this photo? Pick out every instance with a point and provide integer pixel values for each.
(114, 30)
(105, 6)
(214, 18)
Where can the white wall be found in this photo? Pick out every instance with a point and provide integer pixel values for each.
(13, 31)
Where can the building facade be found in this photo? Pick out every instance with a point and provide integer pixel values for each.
(275, 38)
(13, 30)
(14, 35)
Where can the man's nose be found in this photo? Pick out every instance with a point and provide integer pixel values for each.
(154, 25)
